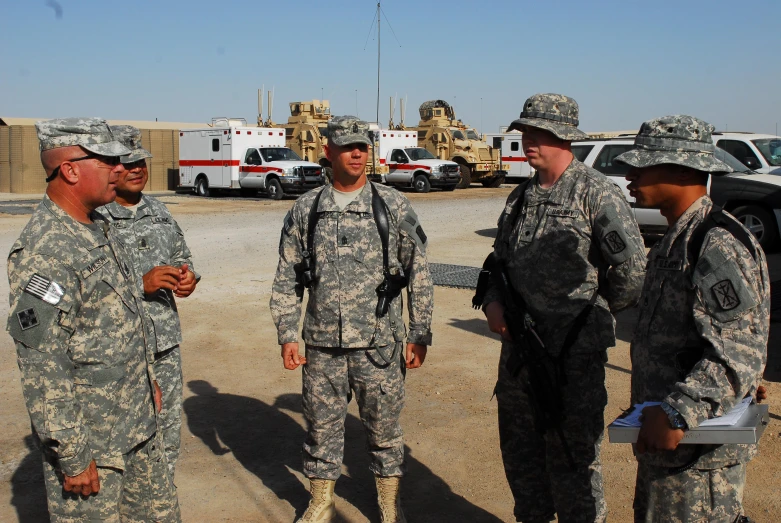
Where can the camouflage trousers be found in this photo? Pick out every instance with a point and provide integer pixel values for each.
(330, 377)
(693, 496)
(168, 371)
(141, 493)
(540, 476)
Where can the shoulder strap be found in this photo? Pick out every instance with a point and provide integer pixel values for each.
(383, 227)
(716, 218)
(314, 217)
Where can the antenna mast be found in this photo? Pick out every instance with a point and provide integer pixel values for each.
(378, 62)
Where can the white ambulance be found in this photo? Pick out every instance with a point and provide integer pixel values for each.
(232, 155)
(412, 166)
(513, 159)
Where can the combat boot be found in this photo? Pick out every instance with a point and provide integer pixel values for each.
(389, 499)
(321, 507)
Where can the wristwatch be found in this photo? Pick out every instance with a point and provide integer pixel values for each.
(676, 420)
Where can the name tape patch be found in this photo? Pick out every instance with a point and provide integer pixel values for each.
(564, 213)
(666, 264)
(43, 289)
(161, 219)
(92, 267)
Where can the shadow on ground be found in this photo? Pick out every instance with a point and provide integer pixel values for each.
(28, 493)
(488, 233)
(267, 440)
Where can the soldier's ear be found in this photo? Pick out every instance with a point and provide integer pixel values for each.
(70, 172)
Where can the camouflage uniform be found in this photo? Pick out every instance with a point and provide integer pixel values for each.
(154, 238)
(348, 348)
(700, 342)
(81, 352)
(560, 247)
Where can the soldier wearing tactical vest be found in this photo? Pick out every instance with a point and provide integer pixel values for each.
(700, 343)
(355, 246)
(573, 252)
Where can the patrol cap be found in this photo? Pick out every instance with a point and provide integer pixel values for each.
(346, 130)
(678, 139)
(93, 134)
(130, 137)
(551, 112)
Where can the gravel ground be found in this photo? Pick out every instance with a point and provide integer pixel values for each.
(243, 430)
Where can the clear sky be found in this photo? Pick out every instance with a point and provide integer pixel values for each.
(186, 61)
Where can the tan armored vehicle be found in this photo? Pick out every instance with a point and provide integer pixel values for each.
(449, 139)
(306, 130)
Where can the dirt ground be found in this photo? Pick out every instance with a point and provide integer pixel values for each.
(243, 427)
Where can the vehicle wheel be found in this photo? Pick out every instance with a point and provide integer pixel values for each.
(494, 181)
(202, 187)
(421, 183)
(449, 188)
(466, 177)
(760, 223)
(247, 192)
(274, 189)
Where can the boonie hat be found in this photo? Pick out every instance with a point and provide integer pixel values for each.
(130, 137)
(346, 130)
(93, 134)
(678, 139)
(551, 112)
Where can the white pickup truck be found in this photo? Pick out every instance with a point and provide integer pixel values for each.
(412, 166)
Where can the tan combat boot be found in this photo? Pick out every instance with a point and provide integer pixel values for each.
(321, 506)
(389, 499)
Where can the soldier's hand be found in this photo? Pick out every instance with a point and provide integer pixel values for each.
(291, 359)
(416, 355)
(761, 394)
(158, 396)
(494, 313)
(85, 483)
(161, 277)
(187, 282)
(656, 433)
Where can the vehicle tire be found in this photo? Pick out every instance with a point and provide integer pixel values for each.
(466, 177)
(760, 223)
(493, 182)
(421, 183)
(202, 187)
(274, 189)
(449, 188)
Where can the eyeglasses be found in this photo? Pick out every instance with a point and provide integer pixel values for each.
(111, 161)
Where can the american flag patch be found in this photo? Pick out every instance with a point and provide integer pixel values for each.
(43, 289)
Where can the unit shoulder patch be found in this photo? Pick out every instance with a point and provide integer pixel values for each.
(27, 318)
(725, 295)
(614, 242)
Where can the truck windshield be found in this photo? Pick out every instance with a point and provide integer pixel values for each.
(471, 135)
(418, 153)
(458, 135)
(279, 154)
(770, 149)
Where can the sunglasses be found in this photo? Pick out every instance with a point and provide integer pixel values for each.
(111, 161)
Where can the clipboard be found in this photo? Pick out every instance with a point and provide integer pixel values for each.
(747, 430)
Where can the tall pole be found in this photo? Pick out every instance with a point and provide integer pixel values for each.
(356, 102)
(378, 62)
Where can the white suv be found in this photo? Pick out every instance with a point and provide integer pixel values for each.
(759, 152)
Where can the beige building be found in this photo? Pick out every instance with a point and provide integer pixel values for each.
(20, 164)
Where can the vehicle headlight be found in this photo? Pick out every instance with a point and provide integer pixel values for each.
(436, 169)
(289, 171)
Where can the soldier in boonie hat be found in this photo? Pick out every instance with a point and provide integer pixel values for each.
(130, 137)
(678, 140)
(348, 130)
(551, 112)
(92, 134)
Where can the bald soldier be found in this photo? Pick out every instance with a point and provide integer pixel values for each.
(355, 246)
(700, 344)
(75, 318)
(573, 252)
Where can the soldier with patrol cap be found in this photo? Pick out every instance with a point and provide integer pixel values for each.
(574, 254)
(75, 317)
(164, 269)
(355, 246)
(701, 337)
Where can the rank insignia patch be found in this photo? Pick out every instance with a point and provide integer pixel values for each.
(725, 295)
(614, 242)
(27, 318)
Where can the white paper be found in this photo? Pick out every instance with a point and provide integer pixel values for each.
(730, 419)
